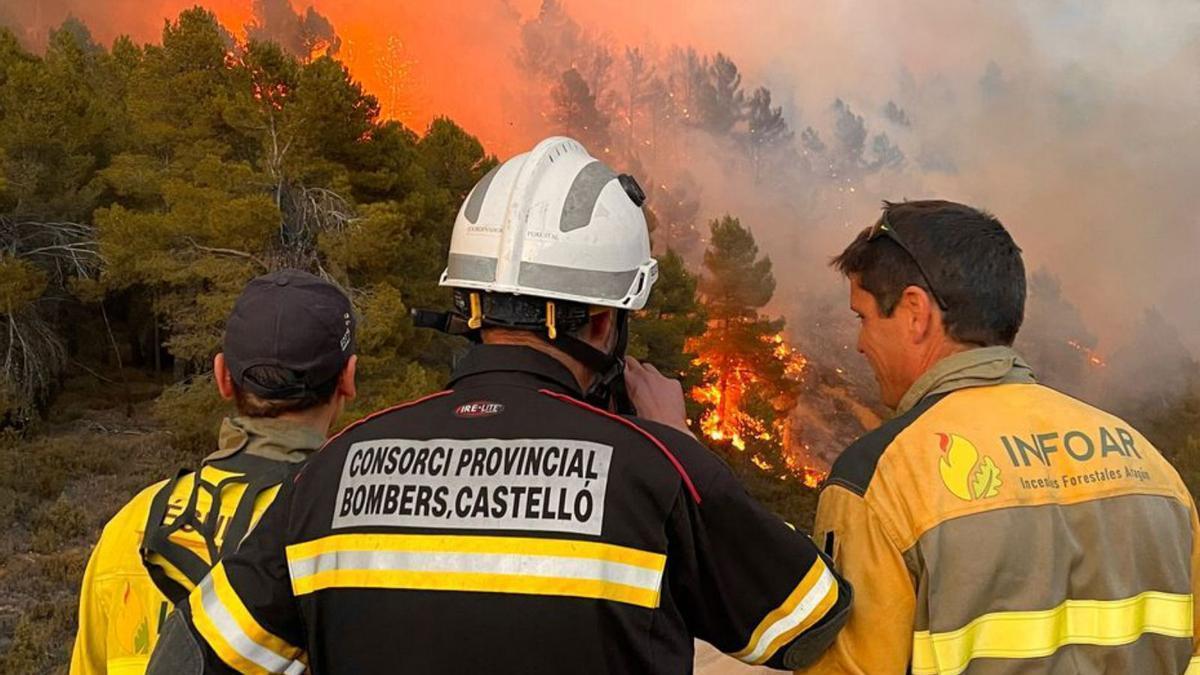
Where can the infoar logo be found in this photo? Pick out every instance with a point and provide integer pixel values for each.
(967, 475)
(479, 409)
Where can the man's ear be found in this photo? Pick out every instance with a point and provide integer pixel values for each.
(919, 313)
(600, 329)
(223, 377)
(346, 385)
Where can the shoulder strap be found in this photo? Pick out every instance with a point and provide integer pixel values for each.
(257, 473)
(156, 540)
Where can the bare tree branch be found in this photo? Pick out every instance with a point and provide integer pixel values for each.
(228, 252)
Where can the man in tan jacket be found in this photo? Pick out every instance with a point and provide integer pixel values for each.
(994, 525)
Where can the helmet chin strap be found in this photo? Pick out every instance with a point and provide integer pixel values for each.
(607, 389)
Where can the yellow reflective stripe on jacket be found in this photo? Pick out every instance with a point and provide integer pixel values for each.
(1033, 634)
(1193, 666)
(478, 563)
(813, 596)
(237, 638)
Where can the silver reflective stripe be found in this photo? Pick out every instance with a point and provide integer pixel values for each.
(557, 567)
(230, 630)
(592, 283)
(581, 198)
(470, 267)
(475, 201)
(794, 618)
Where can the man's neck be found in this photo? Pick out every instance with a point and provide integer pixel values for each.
(318, 419)
(936, 353)
(525, 339)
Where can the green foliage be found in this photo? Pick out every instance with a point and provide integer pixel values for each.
(192, 412)
(386, 333)
(737, 283)
(21, 283)
(202, 163)
(673, 317)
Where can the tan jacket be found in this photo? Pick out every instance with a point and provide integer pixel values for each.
(999, 526)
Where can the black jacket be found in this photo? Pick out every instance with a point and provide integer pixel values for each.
(505, 526)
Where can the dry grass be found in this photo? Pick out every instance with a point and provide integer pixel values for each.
(59, 485)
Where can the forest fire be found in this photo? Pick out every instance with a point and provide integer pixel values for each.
(740, 389)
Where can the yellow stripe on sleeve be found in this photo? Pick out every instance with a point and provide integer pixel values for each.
(804, 606)
(245, 620)
(1034, 634)
(237, 638)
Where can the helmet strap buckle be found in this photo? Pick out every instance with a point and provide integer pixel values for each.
(476, 320)
(551, 328)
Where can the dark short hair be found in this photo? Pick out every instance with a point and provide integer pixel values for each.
(972, 262)
(250, 404)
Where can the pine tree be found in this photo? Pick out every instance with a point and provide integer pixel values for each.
(752, 382)
(661, 333)
(737, 282)
(850, 135)
(766, 132)
(721, 102)
(549, 41)
(304, 36)
(641, 88)
(885, 154)
(576, 112)
(896, 115)
(53, 123)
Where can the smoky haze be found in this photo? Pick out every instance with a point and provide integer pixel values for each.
(1076, 123)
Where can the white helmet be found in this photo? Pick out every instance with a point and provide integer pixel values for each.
(554, 223)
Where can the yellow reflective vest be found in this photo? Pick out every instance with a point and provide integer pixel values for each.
(121, 608)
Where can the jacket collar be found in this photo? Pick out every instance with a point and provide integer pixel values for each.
(513, 364)
(980, 367)
(266, 437)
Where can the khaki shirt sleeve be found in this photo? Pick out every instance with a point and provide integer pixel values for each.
(877, 639)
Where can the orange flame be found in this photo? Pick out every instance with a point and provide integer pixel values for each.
(726, 420)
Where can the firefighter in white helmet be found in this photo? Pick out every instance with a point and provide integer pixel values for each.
(544, 242)
(516, 523)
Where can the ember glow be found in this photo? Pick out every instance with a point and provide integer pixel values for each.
(1093, 358)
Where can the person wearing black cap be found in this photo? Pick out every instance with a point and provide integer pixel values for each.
(288, 363)
(518, 522)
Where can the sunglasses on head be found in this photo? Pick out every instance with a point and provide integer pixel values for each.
(884, 229)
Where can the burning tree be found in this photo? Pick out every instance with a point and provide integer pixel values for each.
(753, 375)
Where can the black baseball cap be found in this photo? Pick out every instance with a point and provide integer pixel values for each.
(293, 320)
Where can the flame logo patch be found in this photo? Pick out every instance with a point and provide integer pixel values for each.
(967, 475)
